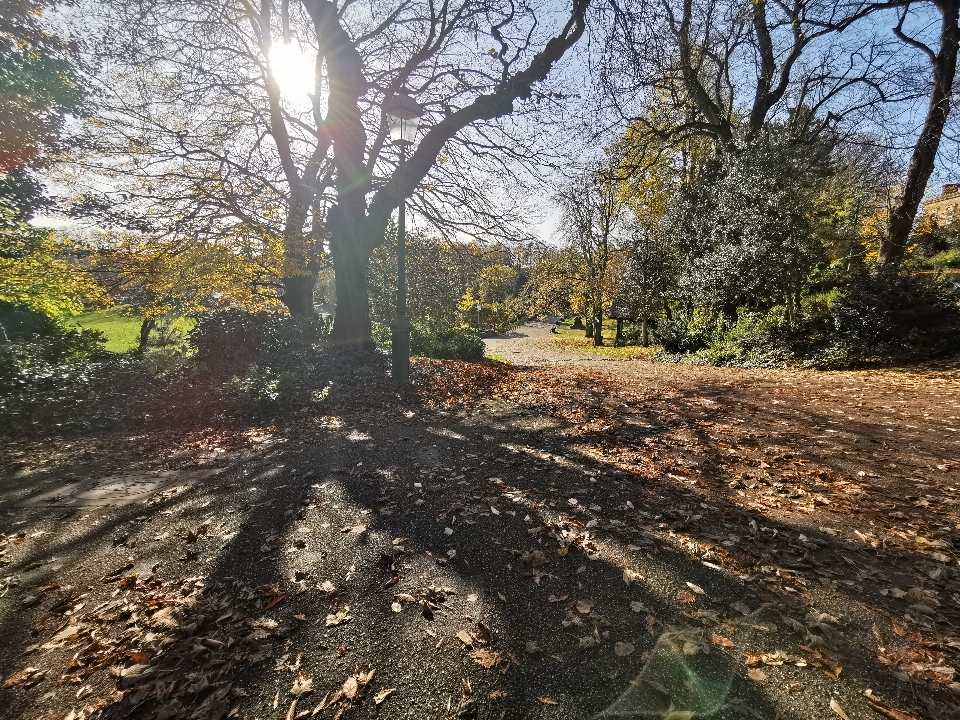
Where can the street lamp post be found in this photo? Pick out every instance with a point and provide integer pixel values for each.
(403, 117)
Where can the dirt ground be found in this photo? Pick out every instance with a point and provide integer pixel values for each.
(564, 537)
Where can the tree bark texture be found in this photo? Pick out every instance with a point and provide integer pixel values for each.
(944, 64)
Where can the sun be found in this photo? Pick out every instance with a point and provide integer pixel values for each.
(293, 69)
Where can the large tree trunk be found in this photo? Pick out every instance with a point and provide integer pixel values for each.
(299, 277)
(598, 329)
(944, 65)
(298, 293)
(645, 326)
(351, 246)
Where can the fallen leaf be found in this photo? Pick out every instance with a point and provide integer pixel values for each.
(396, 607)
(497, 694)
(686, 597)
(465, 637)
(28, 676)
(381, 696)
(302, 685)
(485, 657)
(835, 706)
(350, 687)
(276, 601)
(756, 674)
(585, 606)
(341, 616)
(622, 649)
(547, 700)
(637, 607)
(721, 640)
(696, 588)
(292, 712)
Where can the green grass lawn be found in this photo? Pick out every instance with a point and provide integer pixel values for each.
(576, 340)
(122, 331)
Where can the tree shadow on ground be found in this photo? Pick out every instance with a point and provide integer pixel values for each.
(333, 518)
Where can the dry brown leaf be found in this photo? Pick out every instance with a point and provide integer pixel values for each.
(686, 597)
(721, 640)
(292, 712)
(756, 674)
(584, 606)
(465, 637)
(381, 696)
(835, 706)
(341, 616)
(29, 675)
(350, 687)
(622, 649)
(547, 700)
(497, 694)
(302, 685)
(485, 657)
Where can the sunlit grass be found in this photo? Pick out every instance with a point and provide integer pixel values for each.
(498, 358)
(576, 340)
(122, 331)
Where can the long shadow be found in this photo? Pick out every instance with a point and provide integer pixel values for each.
(522, 597)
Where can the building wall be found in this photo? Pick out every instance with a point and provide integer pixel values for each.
(946, 207)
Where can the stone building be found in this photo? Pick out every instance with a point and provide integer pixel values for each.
(945, 208)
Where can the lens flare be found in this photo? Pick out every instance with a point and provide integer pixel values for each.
(293, 69)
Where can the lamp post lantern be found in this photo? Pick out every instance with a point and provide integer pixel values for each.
(402, 114)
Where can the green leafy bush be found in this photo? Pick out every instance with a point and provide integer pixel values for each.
(46, 366)
(887, 315)
(232, 340)
(270, 360)
(879, 317)
(448, 345)
(683, 333)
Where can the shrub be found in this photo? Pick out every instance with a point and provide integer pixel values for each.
(46, 366)
(21, 322)
(884, 316)
(887, 315)
(946, 259)
(449, 345)
(233, 340)
(683, 333)
(271, 360)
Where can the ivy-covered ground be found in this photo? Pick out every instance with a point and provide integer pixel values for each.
(566, 536)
